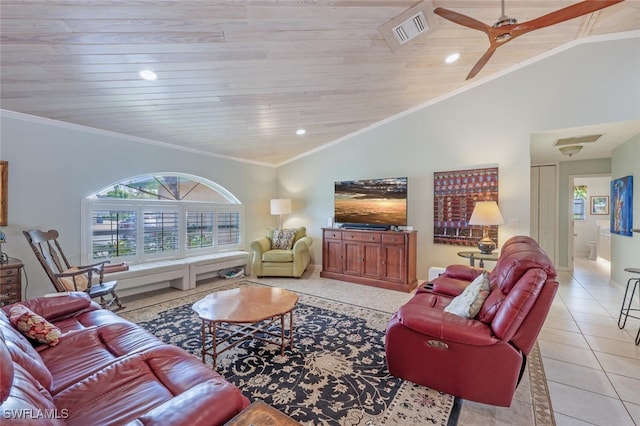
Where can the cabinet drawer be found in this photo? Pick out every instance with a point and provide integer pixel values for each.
(9, 272)
(361, 236)
(332, 235)
(12, 279)
(9, 288)
(393, 239)
(9, 297)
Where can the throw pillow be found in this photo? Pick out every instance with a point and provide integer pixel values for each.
(469, 302)
(82, 281)
(283, 239)
(33, 325)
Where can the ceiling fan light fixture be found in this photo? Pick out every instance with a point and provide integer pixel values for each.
(503, 37)
(570, 150)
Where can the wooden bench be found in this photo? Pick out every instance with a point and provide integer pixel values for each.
(182, 274)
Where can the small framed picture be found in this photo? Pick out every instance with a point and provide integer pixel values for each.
(600, 205)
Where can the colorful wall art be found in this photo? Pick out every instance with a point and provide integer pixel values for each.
(622, 206)
(455, 194)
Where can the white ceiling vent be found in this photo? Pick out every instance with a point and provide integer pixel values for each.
(411, 28)
(411, 23)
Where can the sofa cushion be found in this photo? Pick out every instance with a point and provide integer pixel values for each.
(27, 396)
(6, 369)
(87, 320)
(63, 306)
(140, 382)
(23, 353)
(34, 326)
(490, 306)
(300, 232)
(468, 303)
(517, 259)
(278, 256)
(517, 304)
(283, 239)
(83, 352)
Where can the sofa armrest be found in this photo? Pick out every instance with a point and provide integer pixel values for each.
(440, 325)
(206, 405)
(455, 279)
(56, 307)
(261, 245)
(462, 272)
(301, 245)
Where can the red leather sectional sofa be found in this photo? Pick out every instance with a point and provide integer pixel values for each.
(105, 370)
(482, 358)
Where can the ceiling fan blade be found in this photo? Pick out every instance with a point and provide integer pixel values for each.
(461, 19)
(561, 15)
(482, 61)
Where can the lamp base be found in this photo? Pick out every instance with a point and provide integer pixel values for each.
(4, 258)
(486, 245)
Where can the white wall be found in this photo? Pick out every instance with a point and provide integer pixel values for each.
(53, 167)
(587, 229)
(487, 125)
(625, 251)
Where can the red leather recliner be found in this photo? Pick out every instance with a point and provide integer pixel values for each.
(480, 359)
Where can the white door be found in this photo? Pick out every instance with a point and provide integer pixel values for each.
(544, 207)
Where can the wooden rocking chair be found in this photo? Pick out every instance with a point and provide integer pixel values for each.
(66, 277)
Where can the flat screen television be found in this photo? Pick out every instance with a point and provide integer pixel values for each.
(371, 203)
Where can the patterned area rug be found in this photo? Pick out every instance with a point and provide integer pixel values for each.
(336, 374)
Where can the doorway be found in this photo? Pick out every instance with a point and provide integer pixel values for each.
(589, 239)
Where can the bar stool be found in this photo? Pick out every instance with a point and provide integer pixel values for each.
(634, 284)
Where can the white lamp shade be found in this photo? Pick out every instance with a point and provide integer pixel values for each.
(486, 213)
(281, 206)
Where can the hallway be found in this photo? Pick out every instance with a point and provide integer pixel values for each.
(592, 367)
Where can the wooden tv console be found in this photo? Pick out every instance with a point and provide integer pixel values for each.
(384, 259)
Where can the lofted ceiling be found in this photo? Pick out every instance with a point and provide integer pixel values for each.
(238, 78)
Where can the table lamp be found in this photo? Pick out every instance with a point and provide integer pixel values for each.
(486, 213)
(280, 206)
(3, 256)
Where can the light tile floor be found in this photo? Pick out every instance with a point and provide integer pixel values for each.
(592, 367)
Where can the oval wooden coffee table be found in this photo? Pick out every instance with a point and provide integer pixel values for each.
(244, 313)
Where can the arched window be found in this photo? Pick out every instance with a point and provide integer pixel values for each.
(159, 216)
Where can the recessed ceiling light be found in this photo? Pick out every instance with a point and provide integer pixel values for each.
(301, 132)
(452, 58)
(148, 75)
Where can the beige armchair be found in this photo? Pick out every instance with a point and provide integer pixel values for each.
(286, 255)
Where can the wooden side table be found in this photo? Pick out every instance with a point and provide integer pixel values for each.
(261, 414)
(10, 281)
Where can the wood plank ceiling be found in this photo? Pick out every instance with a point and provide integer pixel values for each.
(238, 78)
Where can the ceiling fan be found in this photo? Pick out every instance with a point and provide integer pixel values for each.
(507, 29)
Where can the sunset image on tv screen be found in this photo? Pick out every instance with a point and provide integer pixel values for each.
(372, 201)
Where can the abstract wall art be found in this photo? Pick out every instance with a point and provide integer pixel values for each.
(455, 195)
(622, 206)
